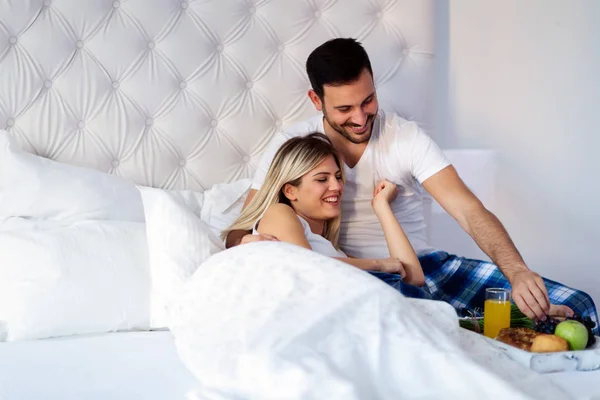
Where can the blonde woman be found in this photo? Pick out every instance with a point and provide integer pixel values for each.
(299, 203)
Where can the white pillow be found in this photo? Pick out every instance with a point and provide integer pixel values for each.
(65, 279)
(178, 242)
(223, 204)
(33, 186)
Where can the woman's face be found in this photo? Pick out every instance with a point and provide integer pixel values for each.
(319, 195)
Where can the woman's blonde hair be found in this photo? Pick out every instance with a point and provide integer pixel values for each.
(294, 159)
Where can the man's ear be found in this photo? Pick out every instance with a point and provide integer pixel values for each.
(290, 192)
(315, 99)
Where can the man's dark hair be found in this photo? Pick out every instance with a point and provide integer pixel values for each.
(336, 62)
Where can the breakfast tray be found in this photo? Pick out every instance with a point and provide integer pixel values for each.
(561, 361)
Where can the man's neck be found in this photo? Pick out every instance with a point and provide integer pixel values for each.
(350, 152)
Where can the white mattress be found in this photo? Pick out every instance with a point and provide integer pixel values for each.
(133, 365)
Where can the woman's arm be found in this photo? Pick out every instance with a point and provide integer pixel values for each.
(398, 244)
(390, 265)
(281, 221)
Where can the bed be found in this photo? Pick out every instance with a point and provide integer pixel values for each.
(142, 365)
(175, 100)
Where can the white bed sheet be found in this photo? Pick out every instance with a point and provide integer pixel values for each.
(132, 365)
(135, 365)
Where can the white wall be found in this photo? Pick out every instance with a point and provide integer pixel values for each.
(523, 78)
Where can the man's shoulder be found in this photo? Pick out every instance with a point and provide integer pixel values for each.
(301, 128)
(397, 129)
(393, 123)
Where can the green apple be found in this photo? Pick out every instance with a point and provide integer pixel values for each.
(574, 332)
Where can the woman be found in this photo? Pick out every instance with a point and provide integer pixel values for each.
(299, 203)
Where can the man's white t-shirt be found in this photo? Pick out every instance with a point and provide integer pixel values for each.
(398, 151)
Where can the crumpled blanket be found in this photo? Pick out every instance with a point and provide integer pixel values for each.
(271, 320)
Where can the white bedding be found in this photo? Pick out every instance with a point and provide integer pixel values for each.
(271, 321)
(133, 365)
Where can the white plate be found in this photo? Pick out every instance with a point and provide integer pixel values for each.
(561, 361)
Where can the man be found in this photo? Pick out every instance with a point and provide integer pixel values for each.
(374, 145)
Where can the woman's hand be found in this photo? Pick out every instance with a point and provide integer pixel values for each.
(391, 266)
(384, 191)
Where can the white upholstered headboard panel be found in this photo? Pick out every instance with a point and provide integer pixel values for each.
(185, 94)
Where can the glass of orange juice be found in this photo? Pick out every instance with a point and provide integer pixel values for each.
(496, 311)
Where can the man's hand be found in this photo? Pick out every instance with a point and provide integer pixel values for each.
(258, 238)
(391, 266)
(530, 294)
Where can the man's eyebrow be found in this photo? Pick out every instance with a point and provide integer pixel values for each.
(347, 106)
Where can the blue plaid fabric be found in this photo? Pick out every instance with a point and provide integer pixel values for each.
(461, 282)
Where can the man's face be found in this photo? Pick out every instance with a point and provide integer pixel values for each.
(350, 109)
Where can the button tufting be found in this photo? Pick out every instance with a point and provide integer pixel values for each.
(115, 163)
(151, 45)
(318, 13)
(246, 159)
(249, 85)
(184, 4)
(47, 3)
(278, 123)
(115, 85)
(220, 48)
(10, 122)
(182, 84)
(214, 123)
(48, 84)
(79, 44)
(252, 10)
(182, 163)
(12, 40)
(379, 15)
(116, 4)
(81, 124)
(280, 48)
(149, 121)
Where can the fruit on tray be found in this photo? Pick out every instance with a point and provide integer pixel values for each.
(550, 324)
(545, 343)
(530, 340)
(573, 337)
(589, 324)
(574, 332)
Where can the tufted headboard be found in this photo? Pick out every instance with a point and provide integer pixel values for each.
(185, 94)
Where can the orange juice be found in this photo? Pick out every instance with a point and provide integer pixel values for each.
(496, 315)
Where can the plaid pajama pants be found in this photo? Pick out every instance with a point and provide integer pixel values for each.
(461, 282)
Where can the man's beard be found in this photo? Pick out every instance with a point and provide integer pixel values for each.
(364, 137)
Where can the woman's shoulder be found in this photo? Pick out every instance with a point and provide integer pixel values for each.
(280, 214)
(281, 221)
(279, 210)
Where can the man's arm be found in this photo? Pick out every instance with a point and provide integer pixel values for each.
(528, 289)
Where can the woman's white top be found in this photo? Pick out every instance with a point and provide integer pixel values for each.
(317, 242)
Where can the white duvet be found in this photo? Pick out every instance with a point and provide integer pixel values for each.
(274, 321)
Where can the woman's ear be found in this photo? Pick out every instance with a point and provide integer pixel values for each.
(290, 192)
